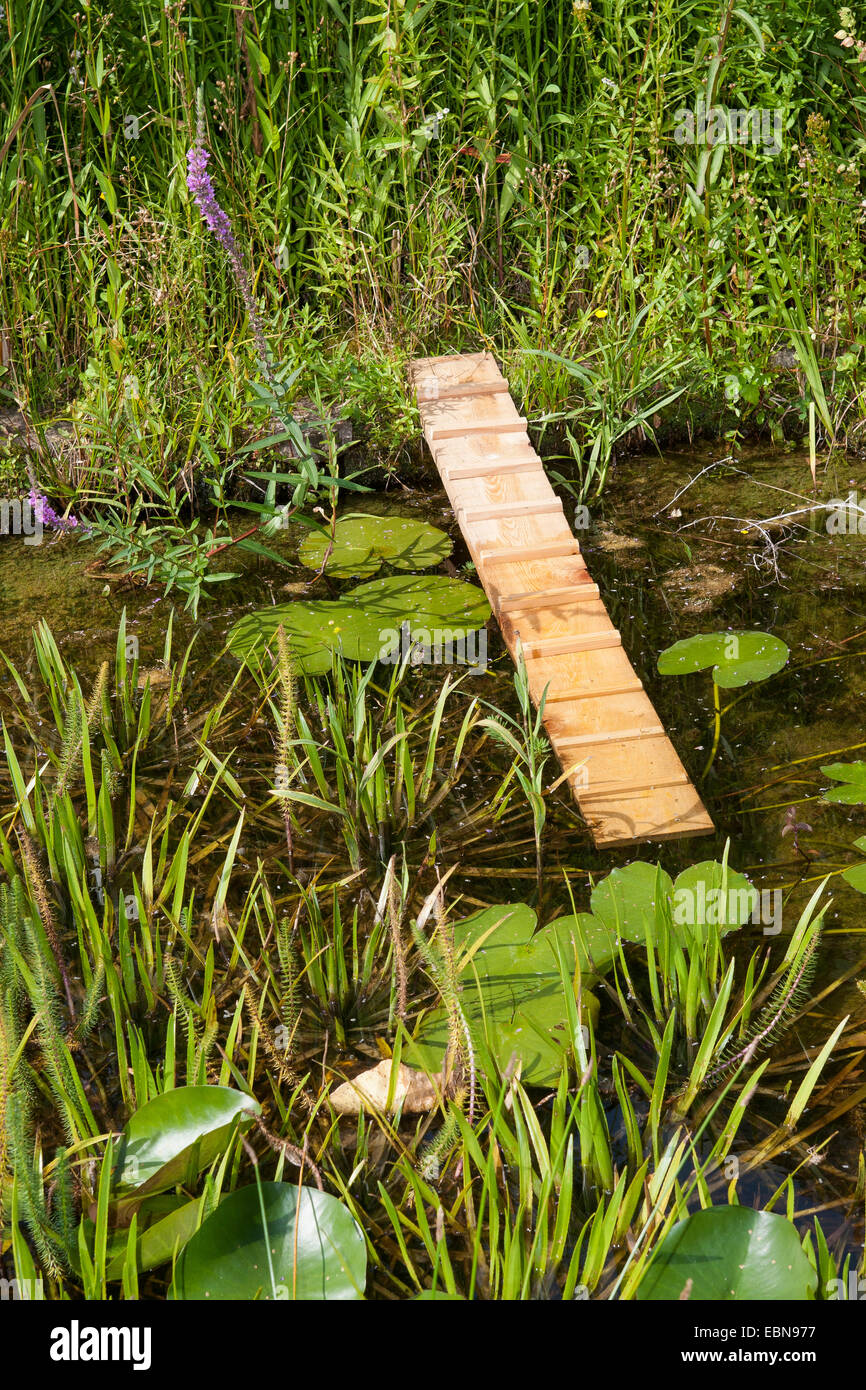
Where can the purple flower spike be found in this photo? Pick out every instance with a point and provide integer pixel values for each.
(47, 516)
(199, 183)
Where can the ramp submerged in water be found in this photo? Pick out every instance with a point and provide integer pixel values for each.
(622, 768)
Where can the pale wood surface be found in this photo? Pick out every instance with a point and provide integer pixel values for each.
(623, 769)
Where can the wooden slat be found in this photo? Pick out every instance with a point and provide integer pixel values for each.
(547, 598)
(569, 741)
(506, 509)
(604, 693)
(489, 470)
(622, 768)
(517, 426)
(459, 392)
(580, 642)
(538, 552)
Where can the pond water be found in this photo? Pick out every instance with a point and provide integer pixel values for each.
(672, 558)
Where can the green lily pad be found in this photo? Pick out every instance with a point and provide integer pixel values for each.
(165, 1223)
(362, 544)
(317, 1250)
(730, 1254)
(187, 1126)
(852, 777)
(707, 894)
(365, 623)
(627, 900)
(856, 876)
(737, 658)
(512, 994)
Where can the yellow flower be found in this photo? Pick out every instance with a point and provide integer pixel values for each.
(600, 313)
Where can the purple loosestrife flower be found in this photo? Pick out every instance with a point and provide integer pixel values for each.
(200, 185)
(47, 516)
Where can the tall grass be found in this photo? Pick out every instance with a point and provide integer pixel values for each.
(416, 176)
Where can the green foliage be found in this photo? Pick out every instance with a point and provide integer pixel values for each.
(852, 783)
(727, 1254)
(736, 658)
(275, 1241)
(511, 985)
(179, 1131)
(360, 545)
(366, 623)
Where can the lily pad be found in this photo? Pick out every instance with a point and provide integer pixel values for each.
(159, 1142)
(362, 544)
(708, 894)
(365, 624)
(631, 902)
(737, 658)
(317, 1250)
(627, 900)
(852, 776)
(730, 1254)
(512, 995)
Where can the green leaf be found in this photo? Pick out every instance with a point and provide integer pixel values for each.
(366, 622)
(626, 901)
(362, 544)
(730, 1254)
(158, 1142)
(737, 658)
(852, 792)
(856, 876)
(512, 993)
(707, 895)
(317, 1249)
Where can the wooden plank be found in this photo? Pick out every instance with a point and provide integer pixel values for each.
(468, 388)
(506, 509)
(547, 598)
(538, 552)
(569, 741)
(622, 768)
(517, 426)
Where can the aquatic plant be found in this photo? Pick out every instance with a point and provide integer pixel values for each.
(365, 623)
(736, 658)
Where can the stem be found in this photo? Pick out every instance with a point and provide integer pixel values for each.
(717, 730)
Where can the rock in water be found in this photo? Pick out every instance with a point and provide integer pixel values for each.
(414, 1091)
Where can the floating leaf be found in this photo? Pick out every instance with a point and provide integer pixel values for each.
(856, 876)
(165, 1223)
(730, 1254)
(737, 658)
(158, 1142)
(317, 1250)
(512, 994)
(632, 902)
(852, 792)
(362, 544)
(707, 894)
(627, 900)
(363, 623)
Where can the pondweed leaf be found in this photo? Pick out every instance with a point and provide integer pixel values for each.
(309, 1248)
(730, 1254)
(362, 544)
(737, 658)
(363, 623)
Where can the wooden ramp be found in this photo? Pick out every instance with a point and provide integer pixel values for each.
(623, 769)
